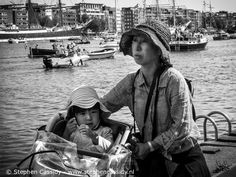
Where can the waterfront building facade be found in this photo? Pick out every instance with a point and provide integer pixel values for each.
(109, 13)
(93, 10)
(118, 20)
(6, 16)
(127, 18)
(69, 17)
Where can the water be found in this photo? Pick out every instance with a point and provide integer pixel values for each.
(30, 95)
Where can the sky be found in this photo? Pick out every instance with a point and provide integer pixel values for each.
(228, 5)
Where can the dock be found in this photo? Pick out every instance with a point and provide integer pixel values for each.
(220, 152)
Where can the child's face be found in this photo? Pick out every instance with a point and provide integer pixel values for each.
(88, 117)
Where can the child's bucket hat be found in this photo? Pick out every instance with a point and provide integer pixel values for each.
(86, 97)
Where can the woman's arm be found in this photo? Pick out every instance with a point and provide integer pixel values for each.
(120, 95)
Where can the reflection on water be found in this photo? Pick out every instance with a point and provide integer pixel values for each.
(30, 95)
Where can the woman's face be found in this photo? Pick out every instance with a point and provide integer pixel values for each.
(88, 117)
(144, 52)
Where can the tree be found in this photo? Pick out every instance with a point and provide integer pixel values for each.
(102, 25)
(45, 21)
(84, 18)
(179, 20)
(55, 20)
(220, 24)
(97, 25)
(170, 21)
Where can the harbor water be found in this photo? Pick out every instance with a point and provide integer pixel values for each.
(31, 95)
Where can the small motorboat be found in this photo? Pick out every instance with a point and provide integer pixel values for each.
(221, 35)
(64, 61)
(39, 52)
(81, 41)
(55, 40)
(74, 38)
(101, 54)
(51, 155)
(110, 42)
(19, 40)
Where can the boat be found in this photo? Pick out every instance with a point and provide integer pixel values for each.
(221, 35)
(81, 41)
(233, 36)
(64, 62)
(114, 44)
(109, 42)
(52, 155)
(74, 38)
(17, 40)
(42, 33)
(55, 40)
(196, 42)
(184, 40)
(102, 54)
(98, 38)
(40, 52)
(57, 50)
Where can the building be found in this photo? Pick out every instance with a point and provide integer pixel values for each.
(91, 9)
(6, 16)
(110, 19)
(118, 20)
(132, 16)
(69, 17)
(21, 18)
(127, 18)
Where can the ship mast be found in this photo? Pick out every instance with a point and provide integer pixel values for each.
(60, 14)
(29, 13)
(115, 16)
(173, 11)
(144, 10)
(158, 16)
(210, 7)
(204, 14)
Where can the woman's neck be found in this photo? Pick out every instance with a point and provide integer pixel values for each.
(148, 73)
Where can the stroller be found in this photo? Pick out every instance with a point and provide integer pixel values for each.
(51, 155)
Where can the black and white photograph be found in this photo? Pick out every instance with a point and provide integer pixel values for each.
(141, 88)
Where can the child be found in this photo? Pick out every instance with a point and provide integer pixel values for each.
(84, 114)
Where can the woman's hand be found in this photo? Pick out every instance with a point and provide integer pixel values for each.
(71, 126)
(141, 150)
(85, 130)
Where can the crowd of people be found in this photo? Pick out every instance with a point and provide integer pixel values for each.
(69, 50)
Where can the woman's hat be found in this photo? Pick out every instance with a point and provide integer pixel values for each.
(86, 97)
(154, 30)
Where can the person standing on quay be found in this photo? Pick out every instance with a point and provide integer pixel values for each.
(160, 102)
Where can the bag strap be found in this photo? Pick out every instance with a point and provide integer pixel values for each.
(157, 74)
(133, 98)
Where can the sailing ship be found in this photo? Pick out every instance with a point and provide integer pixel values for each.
(42, 33)
(183, 40)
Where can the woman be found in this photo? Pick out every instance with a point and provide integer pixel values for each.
(160, 101)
